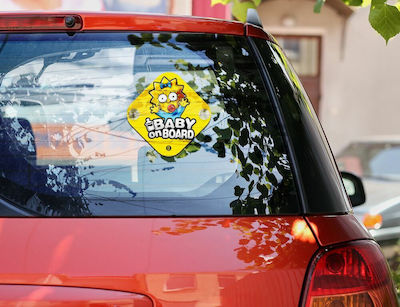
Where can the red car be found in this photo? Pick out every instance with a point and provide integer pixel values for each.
(169, 161)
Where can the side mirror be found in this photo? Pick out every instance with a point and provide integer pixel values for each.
(354, 188)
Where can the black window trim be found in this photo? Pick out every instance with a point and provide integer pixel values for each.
(266, 78)
(337, 203)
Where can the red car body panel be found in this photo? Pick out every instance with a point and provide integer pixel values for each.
(137, 22)
(172, 260)
(236, 261)
(50, 296)
(159, 23)
(332, 229)
(258, 32)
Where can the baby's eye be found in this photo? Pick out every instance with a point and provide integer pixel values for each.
(162, 98)
(173, 96)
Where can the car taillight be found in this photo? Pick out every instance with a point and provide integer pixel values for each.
(354, 275)
(372, 221)
(40, 22)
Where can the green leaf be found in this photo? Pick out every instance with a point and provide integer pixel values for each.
(251, 186)
(219, 147)
(244, 137)
(193, 147)
(151, 155)
(204, 138)
(385, 19)
(168, 159)
(164, 37)
(263, 189)
(157, 44)
(247, 171)
(139, 87)
(272, 179)
(147, 37)
(366, 3)
(378, 2)
(234, 150)
(235, 124)
(353, 2)
(239, 9)
(236, 206)
(193, 85)
(238, 191)
(318, 6)
(174, 46)
(241, 157)
(256, 156)
(135, 40)
(224, 134)
(224, 2)
(182, 154)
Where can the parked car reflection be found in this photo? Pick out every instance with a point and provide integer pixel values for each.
(377, 161)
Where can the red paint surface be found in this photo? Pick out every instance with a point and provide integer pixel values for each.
(98, 21)
(138, 22)
(23, 295)
(258, 32)
(212, 261)
(334, 229)
(37, 22)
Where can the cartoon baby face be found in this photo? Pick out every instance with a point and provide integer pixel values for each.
(167, 95)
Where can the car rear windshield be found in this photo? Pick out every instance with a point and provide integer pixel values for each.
(137, 124)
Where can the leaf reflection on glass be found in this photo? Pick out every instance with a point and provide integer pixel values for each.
(247, 135)
(243, 130)
(48, 190)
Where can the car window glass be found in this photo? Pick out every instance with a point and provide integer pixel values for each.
(323, 190)
(70, 146)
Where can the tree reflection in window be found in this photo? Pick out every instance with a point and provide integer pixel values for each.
(243, 129)
(249, 134)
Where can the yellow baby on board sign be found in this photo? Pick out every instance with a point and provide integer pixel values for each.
(169, 114)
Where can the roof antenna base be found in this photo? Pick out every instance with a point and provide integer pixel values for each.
(253, 18)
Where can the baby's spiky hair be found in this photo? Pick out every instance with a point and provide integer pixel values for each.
(164, 83)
